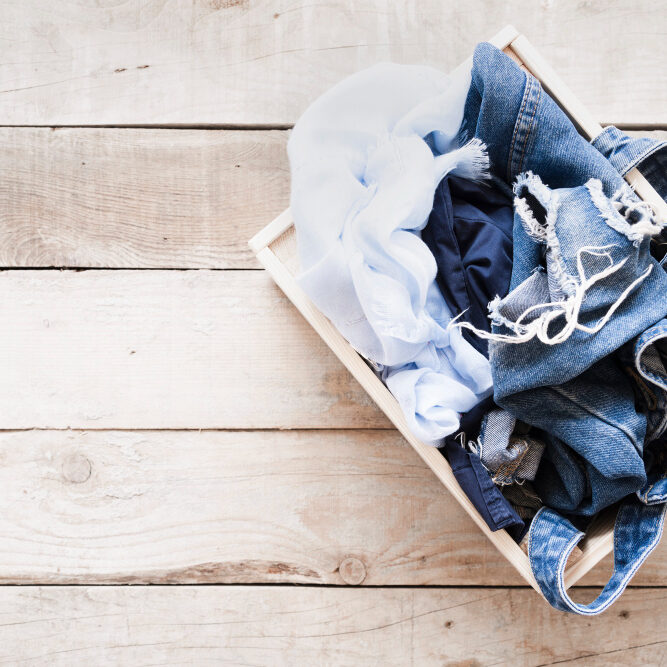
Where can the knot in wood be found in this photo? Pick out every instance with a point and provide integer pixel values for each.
(76, 468)
(352, 571)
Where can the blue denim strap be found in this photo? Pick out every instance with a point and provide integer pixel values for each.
(552, 538)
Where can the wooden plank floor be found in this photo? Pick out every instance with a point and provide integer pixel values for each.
(167, 417)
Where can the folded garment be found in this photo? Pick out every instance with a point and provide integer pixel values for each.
(366, 158)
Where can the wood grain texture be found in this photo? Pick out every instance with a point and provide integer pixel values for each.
(328, 507)
(98, 197)
(137, 198)
(166, 349)
(259, 625)
(248, 63)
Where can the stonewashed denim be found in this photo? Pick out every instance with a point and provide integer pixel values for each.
(593, 431)
(552, 538)
(366, 158)
(645, 359)
(649, 354)
(525, 130)
(603, 403)
(651, 159)
(625, 153)
(572, 246)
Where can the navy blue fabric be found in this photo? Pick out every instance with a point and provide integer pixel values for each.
(654, 168)
(474, 478)
(469, 233)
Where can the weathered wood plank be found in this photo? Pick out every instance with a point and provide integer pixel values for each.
(232, 507)
(166, 349)
(319, 626)
(241, 62)
(328, 507)
(137, 198)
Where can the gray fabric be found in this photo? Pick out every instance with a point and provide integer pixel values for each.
(652, 362)
(524, 466)
(506, 451)
(496, 430)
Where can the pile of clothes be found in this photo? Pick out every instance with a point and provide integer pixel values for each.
(509, 288)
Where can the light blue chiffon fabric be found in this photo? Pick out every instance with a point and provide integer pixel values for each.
(366, 158)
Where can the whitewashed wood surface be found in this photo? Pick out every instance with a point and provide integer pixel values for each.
(144, 198)
(269, 625)
(260, 62)
(166, 416)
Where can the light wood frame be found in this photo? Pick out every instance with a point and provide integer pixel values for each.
(275, 248)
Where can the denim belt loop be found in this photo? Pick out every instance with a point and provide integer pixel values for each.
(625, 152)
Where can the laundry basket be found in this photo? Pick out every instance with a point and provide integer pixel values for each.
(275, 247)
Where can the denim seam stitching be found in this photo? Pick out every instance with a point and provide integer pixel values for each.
(516, 125)
(590, 610)
(647, 552)
(644, 496)
(562, 562)
(604, 142)
(655, 378)
(529, 129)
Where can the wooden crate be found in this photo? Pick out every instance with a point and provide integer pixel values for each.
(275, 247)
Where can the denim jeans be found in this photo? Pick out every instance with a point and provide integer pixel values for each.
(587, 294)
(525, 130)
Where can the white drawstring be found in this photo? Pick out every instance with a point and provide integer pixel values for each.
(569, 308)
